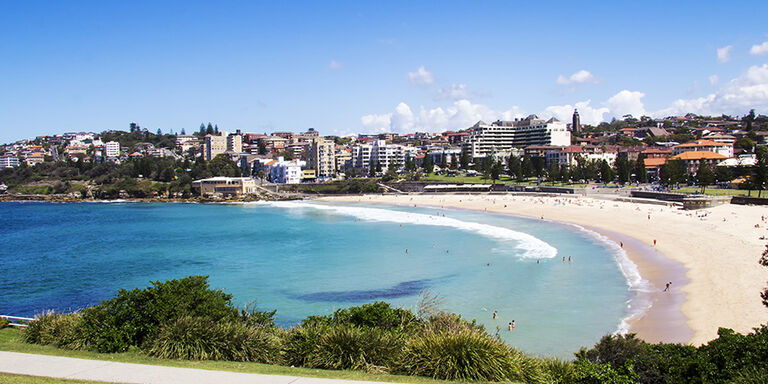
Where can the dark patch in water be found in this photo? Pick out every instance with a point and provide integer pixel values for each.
(406, 288)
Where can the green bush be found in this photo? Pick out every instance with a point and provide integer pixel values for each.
(196, 338)
(587, 372)
(731, 353)
(462, 355)
(61, 330)
(131, 317)
(350, 347)
(451, 322)
(300, 344)
(4, 322)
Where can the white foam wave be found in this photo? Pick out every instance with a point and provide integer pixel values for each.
(531, 246)
(638, 305)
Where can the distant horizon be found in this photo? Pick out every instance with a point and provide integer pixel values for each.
(358, 67)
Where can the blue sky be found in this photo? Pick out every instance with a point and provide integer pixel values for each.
(370, 66)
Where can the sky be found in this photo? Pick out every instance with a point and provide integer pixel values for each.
(347, 67)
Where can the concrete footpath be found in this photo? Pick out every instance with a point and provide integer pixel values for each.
(99, 370)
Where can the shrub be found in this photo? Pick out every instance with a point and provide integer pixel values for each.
(377, 315)
(731, 353)
(622, 350)
(300, 343)
(131, 317)
(257, 319)
(350, 347)
(462, 355)
(4, 322)
(558, 371)
(61, 330)
(587, 372)
(198, 338)
(451, 322)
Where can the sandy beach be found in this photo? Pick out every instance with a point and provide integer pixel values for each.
(709, 255)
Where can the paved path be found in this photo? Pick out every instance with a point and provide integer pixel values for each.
(99, 370)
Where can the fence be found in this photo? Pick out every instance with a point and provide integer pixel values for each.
(18, 321)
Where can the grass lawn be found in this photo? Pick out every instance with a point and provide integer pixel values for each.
(7, 378)
(481, 180)
(718, 192)
(10, 342)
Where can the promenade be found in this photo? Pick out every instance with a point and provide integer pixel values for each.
(107, 371)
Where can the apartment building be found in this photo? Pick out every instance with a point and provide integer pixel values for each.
(112, 149)
(9, 161)
(485, 139)
(378, 152)
(322, 158)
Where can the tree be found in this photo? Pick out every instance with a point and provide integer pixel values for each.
(262, 147)
(202, 129)
(553, 173)
(514, 167)
(749, 119)
(222, 165)
(673, 173)
(464, 160)
(744, 143)
(159, 132)
(496, 169)
(606, 172)
(760, 176)
(183, 132)
(704, 176)
(622, 170)
(428, 165)
(641, 175)
(454, 162)
(209, 129)
(443, 161)
(216, 129)
(132, 127)
(764, 263)
(723, 174)
(527, 167)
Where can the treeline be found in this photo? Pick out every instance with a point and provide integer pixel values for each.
(142, 177)
(186, 319)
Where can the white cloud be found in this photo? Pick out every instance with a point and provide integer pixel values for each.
(714, 79)
(587, 114)
(579, 77)
(334, 64)
(459, 115)
(747, 91)
(455, 92)
(724, 54)
(761, 49)
(421, 77)
(626, 103)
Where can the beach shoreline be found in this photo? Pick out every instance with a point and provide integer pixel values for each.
(713, 267)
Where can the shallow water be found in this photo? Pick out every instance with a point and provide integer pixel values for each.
(305, 258)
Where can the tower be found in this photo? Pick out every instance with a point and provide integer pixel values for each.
(576, 126)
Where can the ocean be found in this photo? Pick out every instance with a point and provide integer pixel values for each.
(306, 258)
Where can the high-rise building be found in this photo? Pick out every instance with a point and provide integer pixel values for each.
(235, 142)
(321, 158)
(576, 125)
(487, 139)
(214, 145)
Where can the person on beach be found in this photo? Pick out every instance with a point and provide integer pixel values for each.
(569, 259)
(495, 315)
(563, 259)
(513, 324)
(666, 289)
(621, 244)
(654, 242)
(510, 327)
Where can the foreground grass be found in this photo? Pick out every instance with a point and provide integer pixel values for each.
(718, 192)
(11, 342)
(7, 378)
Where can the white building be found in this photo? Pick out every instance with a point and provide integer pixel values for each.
(112, 149)
(486, 139)
(9, 161)
(280, 171)
(379, 152)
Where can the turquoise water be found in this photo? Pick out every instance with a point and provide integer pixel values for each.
(305, 258)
